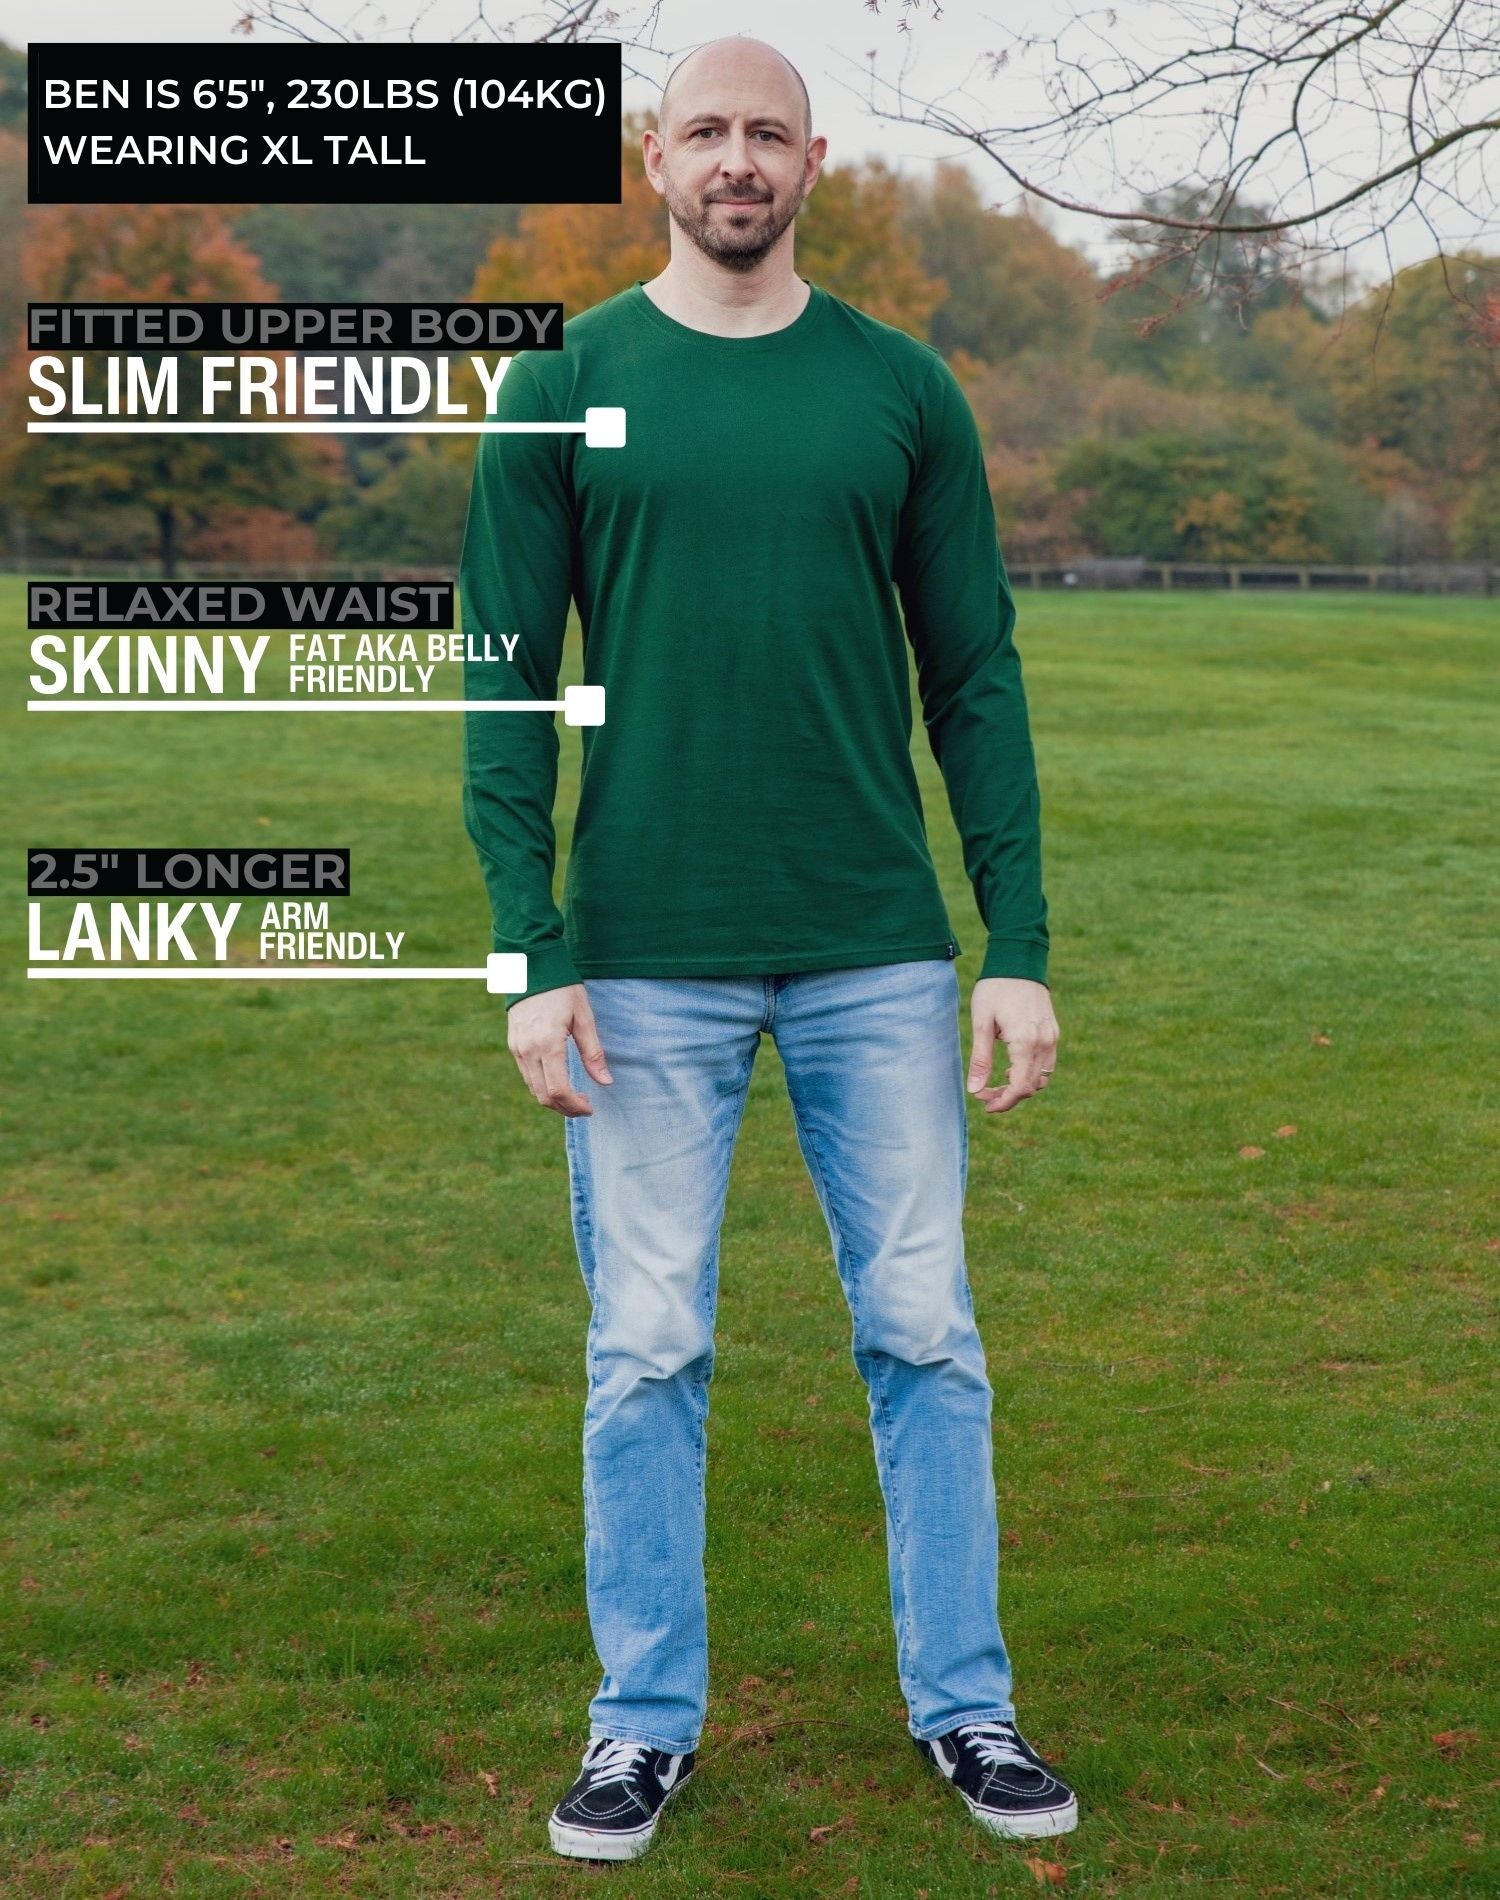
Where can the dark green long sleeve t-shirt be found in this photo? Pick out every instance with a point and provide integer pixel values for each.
(741, 569)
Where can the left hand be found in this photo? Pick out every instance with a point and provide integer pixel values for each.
(1019, 1012)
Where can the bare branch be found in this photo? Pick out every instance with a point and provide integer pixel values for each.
(1316, 126)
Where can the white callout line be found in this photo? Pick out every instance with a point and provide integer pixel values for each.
(579, 705)
(297, 705)
(601, 428)
(504, 973)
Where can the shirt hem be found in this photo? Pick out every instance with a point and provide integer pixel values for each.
(790, 963)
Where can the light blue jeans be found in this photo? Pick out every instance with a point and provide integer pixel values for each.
(874, 1070)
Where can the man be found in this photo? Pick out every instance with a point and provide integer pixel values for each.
(749, 857)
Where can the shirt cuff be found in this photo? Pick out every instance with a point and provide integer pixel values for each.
(549, 968)
(1015, 956)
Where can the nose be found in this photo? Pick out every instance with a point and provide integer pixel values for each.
(737, 161)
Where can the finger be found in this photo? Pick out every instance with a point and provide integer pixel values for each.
(590, 1050)
(531, 1073)
(559, 1092)
(1023, 1077)
(982, 1056)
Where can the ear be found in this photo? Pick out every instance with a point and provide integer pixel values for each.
(652, 154)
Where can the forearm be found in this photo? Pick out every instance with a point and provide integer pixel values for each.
(510, 782)
(982, 742)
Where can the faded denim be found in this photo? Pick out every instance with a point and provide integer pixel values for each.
(874, 1070)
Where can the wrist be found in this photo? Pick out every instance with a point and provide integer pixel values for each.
(1015, 956)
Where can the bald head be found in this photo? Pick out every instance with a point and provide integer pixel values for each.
(735, 62)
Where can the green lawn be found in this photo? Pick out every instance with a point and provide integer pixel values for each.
(291, 1583)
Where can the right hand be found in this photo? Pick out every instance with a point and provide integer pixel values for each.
(538, 1031)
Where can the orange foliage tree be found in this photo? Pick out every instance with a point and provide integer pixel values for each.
(148, 253)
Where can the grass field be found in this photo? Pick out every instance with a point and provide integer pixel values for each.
(291, 1554)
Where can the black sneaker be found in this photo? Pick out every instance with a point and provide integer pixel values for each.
(610, 1811)
(1008, 1787)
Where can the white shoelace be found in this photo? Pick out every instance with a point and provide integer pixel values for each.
(616, 1761)
(996, 1747)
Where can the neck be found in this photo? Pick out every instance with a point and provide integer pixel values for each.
(702, 294)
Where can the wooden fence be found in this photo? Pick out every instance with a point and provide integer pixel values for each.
(1417, 577)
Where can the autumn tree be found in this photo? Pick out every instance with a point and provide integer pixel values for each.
(1010, 285)
(12, 218)
(12, 90)
(1431, 392)
(851, 239)
(1242, 483)
(578, 255)
(155, 254)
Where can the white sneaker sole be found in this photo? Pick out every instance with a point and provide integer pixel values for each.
(1025, 1827)
(586, 1843)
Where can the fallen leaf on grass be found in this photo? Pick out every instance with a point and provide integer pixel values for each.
(1290, 1128)
(346, 1838)
(832, 1827)
(491, 1782)
(1047, 1873)
(1251, 1154)
(1453, 1741)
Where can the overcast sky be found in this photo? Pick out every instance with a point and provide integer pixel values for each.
(829, 41)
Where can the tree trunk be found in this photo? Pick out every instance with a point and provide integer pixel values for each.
(166, 546)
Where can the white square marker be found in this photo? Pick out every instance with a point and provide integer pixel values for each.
(583, 705)
(505, 973)
(604, 428)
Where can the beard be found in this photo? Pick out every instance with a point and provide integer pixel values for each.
(738, 239)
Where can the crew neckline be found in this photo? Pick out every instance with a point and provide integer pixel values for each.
(732, 345)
